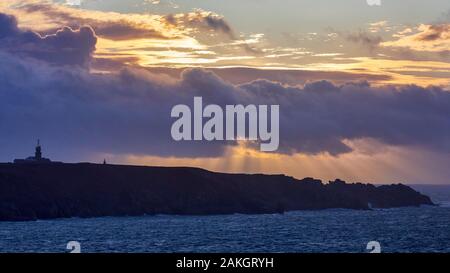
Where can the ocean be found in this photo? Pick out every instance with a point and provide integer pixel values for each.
(424, 229)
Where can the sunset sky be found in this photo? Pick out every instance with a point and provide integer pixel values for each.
(363, 90)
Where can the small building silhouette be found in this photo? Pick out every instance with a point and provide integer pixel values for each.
(36, 159)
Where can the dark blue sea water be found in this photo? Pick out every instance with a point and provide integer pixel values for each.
(425, 229)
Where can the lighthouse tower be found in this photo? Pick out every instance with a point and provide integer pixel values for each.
(37, 158)
(38, 152)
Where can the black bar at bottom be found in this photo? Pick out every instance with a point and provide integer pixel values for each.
(222, 262)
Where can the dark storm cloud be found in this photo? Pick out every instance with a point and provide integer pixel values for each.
(8, 26)
(319, 116)
(129, 112)
(65, 47)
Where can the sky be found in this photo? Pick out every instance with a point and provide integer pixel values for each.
(363, 90)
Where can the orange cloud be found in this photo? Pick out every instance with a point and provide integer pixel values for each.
(431, 38)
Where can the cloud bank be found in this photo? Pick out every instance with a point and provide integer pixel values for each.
(65, 47)
(128, 112)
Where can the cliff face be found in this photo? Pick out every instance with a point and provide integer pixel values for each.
(29, 192)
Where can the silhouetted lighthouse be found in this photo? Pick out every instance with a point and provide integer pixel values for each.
(38, 152)
(36, 159)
